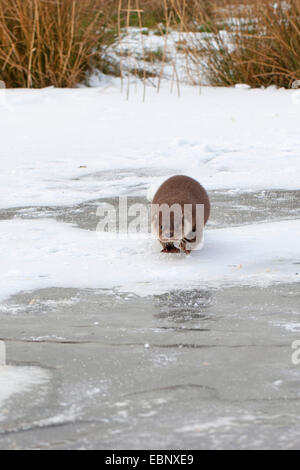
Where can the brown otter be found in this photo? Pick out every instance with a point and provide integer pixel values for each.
(179, 212)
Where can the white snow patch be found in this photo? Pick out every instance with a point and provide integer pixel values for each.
(44, 253)
(62, 147)
(223, 422)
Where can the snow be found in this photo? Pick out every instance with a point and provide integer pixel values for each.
(54, 141)
(65, 147)
(223, 422)
(47, 253)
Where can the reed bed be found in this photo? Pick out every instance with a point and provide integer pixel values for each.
(59, 42)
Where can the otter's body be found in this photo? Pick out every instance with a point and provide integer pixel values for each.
(186, 231)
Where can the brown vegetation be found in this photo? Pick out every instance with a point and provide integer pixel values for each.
(56, 42)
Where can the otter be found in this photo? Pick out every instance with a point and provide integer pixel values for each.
(179, 211)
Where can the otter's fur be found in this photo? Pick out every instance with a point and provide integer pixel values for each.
(180, 190)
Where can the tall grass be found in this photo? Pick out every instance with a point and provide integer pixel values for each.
(253, 42)
(50, 42)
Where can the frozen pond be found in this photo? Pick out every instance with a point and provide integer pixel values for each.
(204, 367)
